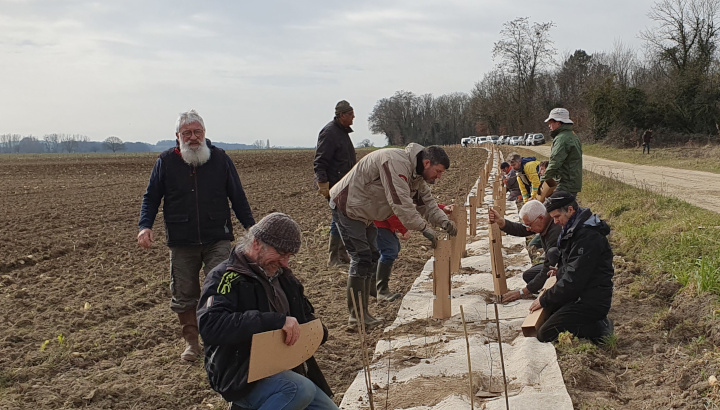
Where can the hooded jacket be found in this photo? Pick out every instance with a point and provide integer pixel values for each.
(232, 308)
(195, 199)
(565, 164)
(334, 154)
(386, 182)
(548, 240)
(586, 269)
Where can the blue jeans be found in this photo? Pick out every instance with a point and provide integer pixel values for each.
(285, 391)
(388, 245)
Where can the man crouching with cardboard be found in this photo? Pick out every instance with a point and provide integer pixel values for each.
(580, 300)
(251, 292)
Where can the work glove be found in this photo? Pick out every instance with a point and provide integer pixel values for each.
(449, 227)
(324, 189)
(430, 235)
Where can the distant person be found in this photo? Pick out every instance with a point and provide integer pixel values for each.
(526, 170)
(646, 137)
(511, 183)
(255, 291)
(385, 182)
(535, 220)
(565, 164)
(388, 245)
(335, 157)
(580, 300)
(194, 181)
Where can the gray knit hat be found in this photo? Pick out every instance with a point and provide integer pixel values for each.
(342, 107)
(279, 231)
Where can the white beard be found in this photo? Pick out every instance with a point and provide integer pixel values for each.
(195, 156)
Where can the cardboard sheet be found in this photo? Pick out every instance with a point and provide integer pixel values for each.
(270, 355)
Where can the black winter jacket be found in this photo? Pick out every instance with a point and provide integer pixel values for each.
(548, 239)
(335, 153)
(586, 266)
(195, 199)
(232, 308)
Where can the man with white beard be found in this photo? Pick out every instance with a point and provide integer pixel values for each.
(195, 179)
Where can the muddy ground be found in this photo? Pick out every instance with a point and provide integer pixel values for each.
(85, 312)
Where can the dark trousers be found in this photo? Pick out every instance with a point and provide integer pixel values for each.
(531, 273)
(360, 243)
(579, 319)
(646, 145)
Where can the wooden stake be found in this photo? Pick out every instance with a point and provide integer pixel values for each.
(360, 316)
(473, 215)
(496, 260)
(441, 280)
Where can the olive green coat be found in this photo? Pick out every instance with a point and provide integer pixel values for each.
(565, 165)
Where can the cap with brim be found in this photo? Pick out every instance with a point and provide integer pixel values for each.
(558, 200)
(560, 114)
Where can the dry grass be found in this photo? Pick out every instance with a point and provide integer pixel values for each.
(698, 158)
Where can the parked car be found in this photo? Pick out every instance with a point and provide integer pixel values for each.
(535, 139)
(494, 139)
(481, 140)
(515, 140)
(467, 141)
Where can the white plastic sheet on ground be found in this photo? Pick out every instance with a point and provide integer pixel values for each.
(435, 350)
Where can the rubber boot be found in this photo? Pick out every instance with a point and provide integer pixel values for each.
(373, 278)
(356, 290)
(370, 321)
(382, 283)
(188, 321)
(334, 251)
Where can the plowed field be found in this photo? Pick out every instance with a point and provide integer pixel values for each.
(85, 312)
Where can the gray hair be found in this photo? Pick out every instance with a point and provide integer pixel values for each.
(532, 210)
(244, 242)
(189, 117)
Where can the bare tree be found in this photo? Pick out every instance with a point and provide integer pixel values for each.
(258, 144)
(365, 144)
(71, 143)
(113, 144)
(52, 142)
(525, 50)
(10, 143)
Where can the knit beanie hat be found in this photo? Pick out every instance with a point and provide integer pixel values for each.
(279, 231)
(558, 200)
(342, 107)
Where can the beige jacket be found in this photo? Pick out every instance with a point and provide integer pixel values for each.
(384, 183)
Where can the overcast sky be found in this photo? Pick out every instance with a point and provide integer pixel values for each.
(260, 69)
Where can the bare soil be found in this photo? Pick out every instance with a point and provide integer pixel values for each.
(86, 320)
(85, 312)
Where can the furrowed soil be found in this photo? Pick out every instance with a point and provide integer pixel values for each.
(85, 312)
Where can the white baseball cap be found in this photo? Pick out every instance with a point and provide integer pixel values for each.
(559, 114)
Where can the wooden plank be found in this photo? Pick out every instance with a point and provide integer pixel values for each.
(457, 242)
(441, 280)
(496, 260)
(473, 215)
(270, 355)
(535, 319)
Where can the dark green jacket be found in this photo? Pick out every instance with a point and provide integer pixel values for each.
(565, 165)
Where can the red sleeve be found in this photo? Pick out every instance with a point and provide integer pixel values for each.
(396, 225)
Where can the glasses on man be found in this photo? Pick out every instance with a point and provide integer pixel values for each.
(530, 224)
(188, 133)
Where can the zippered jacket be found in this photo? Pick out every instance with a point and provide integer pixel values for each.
(528, 178)
(334, 154)
(233, 307)
(586, 269)
(565, 164)
(195, 199)
(386, 182)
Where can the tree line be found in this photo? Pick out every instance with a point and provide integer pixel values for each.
(673, 88)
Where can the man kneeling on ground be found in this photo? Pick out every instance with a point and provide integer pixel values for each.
(535, 220)
(580, 300)
(251, 292)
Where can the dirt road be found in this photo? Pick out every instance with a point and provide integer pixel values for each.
(696, 187)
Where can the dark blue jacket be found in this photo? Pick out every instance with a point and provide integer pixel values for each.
(232, 308)
(195, 199)
(586, 269)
